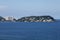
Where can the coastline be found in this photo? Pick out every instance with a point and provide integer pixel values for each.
(28, 19)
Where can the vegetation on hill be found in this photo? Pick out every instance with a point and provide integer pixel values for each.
(36, 19)
(2, 19)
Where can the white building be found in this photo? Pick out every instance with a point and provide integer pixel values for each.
(9, 18)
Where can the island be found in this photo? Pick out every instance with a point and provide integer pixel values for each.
(36, 19)
(28, 19)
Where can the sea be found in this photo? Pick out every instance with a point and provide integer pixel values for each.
(30, 30)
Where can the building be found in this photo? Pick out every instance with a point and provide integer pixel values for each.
(10, 19)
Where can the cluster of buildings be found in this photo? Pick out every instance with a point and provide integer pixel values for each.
(7, 19)
(10, 19)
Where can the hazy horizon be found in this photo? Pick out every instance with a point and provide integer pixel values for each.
(20, 8)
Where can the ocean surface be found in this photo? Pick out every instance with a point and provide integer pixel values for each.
(29, 31)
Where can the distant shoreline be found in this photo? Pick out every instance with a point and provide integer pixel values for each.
(28, 19)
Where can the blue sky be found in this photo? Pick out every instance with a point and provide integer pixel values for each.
(20, 8)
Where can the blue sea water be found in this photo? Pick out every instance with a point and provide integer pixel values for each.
(29, 31)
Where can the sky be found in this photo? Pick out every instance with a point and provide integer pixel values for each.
(20, 8)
